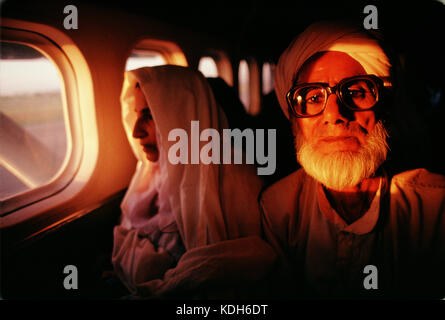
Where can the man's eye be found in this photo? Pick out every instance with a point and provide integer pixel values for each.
(314, 98)
(357, 93)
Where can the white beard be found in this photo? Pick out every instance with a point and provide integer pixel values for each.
(343, 169)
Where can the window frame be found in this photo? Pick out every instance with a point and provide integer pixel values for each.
(213, 59)
(170, 51)
(144, 51)
(223, 64)
(254, 85)
(70, 103)
(272, 67)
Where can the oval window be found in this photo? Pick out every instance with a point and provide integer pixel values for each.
(144, 58)
(267, 78)
(244, 83)
(207, 66)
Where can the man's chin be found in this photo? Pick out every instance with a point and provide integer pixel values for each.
(336, 170)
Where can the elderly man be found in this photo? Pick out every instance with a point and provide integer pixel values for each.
(342, 224)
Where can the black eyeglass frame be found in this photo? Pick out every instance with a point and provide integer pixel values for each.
(379, 82)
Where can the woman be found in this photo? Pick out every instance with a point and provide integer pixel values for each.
(185, 227)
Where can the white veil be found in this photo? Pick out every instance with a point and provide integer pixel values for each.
(207, 204)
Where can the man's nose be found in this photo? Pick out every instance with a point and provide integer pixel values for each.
(335, 111)
(138, 131)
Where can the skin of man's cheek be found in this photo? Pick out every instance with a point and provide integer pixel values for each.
(366, 119)
(309, 127)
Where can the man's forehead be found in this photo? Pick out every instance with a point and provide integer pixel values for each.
(330, 67)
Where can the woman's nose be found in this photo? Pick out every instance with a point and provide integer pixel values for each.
(138, 130)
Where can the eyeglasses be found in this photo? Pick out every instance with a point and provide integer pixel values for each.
(357, 93)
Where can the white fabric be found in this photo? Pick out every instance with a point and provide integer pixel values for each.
(207, 204)
(402, 234)
(328, 36)
(146, 205)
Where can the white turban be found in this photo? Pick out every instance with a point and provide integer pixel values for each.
(328, 36)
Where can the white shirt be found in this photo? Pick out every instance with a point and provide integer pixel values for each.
(402, 235)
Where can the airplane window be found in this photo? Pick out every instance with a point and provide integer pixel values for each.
(267, 77)
(33, 140)
(244, 83)
(144, 58)
(207, 66)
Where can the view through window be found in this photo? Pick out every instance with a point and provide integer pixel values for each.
(144, 58)
(207, 66)
(33, 140)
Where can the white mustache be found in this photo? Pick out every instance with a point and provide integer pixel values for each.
(339, 130)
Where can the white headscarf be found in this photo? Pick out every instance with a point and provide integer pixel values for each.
(206, 204)
(328, 36)
(197, 193)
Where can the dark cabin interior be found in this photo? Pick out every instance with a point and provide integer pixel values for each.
(31, 269)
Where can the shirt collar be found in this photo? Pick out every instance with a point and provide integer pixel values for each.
(363, 225)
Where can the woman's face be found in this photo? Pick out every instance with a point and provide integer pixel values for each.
(145, 128)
